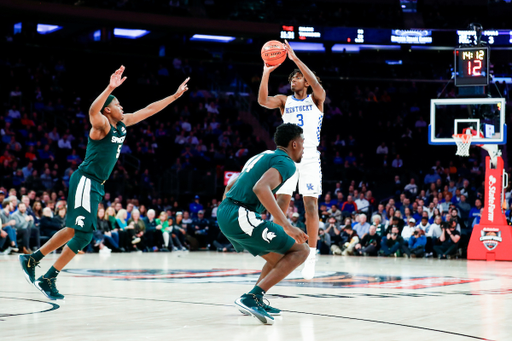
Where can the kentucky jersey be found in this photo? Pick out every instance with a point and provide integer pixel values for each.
(305, 114)
(101, 155)
(242, 190)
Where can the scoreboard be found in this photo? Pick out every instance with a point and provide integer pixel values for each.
(472, 66)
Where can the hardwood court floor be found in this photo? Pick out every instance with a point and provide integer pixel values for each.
(189, 296)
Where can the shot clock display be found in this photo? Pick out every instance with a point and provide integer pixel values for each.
(472, 66)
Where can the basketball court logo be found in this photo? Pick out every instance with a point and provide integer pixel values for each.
(323, 279)
(491, 237)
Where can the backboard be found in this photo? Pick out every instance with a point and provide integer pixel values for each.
(451, 116)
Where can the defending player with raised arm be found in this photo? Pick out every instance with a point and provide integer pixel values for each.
(306, 111)
(239, 217)
(86, 191)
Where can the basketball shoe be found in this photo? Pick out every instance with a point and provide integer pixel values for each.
(28, 265)
(251, 304)
(266, 306)
(48, 288)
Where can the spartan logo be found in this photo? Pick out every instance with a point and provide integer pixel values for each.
(80, 221)
(268, 236)
(123, 130)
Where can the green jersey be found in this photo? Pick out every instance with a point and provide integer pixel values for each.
(252, 172)
(101, 155)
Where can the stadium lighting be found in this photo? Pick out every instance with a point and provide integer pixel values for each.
(308, 47)
(129, 33)
(17, 28)
(96, 35)
(46, 29)
(212, 38)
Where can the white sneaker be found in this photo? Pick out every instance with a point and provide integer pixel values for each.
(308, 271)
(7, 251)
(136, 240)
(105, 250)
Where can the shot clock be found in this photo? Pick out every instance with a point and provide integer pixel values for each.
(472, 66)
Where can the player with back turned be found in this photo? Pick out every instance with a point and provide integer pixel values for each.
(86, 190)
(239, 217)
(306, 111)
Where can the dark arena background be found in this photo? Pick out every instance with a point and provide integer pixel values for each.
(404, 80)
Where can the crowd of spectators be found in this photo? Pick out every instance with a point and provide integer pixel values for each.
(371, 138)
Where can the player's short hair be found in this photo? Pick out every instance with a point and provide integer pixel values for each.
(285, 133)
(296, 71)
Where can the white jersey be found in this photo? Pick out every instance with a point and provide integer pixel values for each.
(308, 176)
(305, 114)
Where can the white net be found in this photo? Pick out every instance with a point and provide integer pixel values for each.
(463, 142)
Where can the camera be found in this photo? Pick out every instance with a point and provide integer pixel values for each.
(445, 225)
(394, 234)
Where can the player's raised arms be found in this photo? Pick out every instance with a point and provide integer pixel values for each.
(269, 102)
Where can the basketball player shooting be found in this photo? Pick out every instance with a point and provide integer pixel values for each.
(106, 137)
(306, 111)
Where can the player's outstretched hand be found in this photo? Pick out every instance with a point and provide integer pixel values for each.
(182, 88)
(115, 79)
(297, 234)
(269, 68)
(291, 53)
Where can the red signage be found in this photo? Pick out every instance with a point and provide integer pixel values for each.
(228, 175)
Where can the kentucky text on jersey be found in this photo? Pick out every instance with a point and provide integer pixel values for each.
(299, 108)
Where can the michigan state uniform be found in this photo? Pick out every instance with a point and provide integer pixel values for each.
(305, 114)
(239, 214)
(86, 184)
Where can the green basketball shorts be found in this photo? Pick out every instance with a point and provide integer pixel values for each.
(84, 196)
(247, 231)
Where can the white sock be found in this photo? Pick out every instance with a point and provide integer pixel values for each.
(312, 252)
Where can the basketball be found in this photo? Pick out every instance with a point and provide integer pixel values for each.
(273, 52)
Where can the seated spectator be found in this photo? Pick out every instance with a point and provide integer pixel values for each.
(362, 204)
(295, 221)
(60, 215)
(167, 231)
(417, 243)
(362, 227)
(149, 229)
(409, 229)
(7, 227)
(49, 226)
(324, 242)
(195, 207)
(291, 209)
(464, 209)
(379, 227)
(336, 213)
(347, 242)
(411, 189)
(25, 228)
(197, 231)
(327, 201)
(392, 244)
(474, 212)
(339, 200)
(370, 244)
(348, 206)
(449, 239)
(104, 238)
(180, 230)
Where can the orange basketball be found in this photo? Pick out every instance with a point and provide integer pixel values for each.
(273, 52)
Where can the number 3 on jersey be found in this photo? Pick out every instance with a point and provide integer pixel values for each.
(300, 117)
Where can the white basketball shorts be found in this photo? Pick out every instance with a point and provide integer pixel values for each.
(308, 175)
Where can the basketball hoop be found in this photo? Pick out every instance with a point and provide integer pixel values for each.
(463, 142)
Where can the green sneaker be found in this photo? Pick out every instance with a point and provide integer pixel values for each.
(251, 304)
(266, 306)
(48, 288)
(28, 265)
